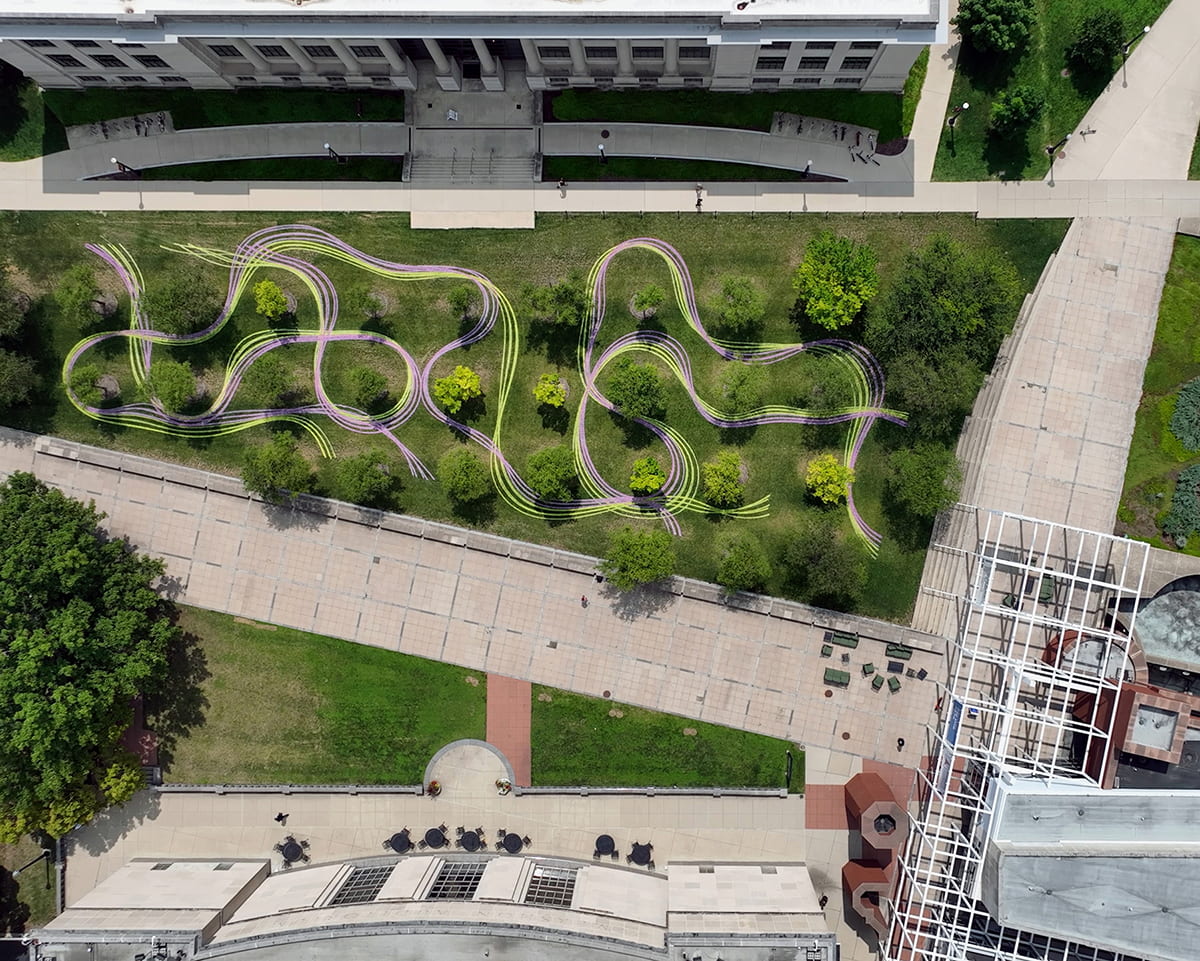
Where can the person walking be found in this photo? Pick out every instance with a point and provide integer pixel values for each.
(562, 188)
(583, 601)
(899, 744)
(281, 818)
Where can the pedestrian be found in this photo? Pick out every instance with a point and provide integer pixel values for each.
(583, 601)
(899, 744)
(824, 901)
(562, 187)
(599, 578)
(281, 818)
(699, 204)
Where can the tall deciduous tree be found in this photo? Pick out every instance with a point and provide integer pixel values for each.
(636, 389)
(996, 26)
(457, 388)
(269, 299)
(171, 383)
(464, 477)
(743, 564)
(562, 304)
(723, 485)
(1015, 109)
(828, 479)
(365, 479)
(180, 303)
(277, 471)
(552, 473)
(740, 306)
(742, 387)
(823, 564)
(82, 632)
(369, 386)
(18, 378)
(1098, 40)
(924, 479)
(638, 557)
(835, 280)
(267, 381)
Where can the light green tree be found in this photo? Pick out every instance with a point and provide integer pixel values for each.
(648, 477)
(457, 388)
(171, 383)
(85, 384)
(722, 475)
(647, 300)
(827, 479)
(461, 299)
(269, 299)
(550, 391)
(835, 280)
(638, 557)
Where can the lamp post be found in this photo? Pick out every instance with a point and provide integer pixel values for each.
(807, 170)
(1052, 153)
(950, 121)
(123, 168)
(603, 158)
(1125, 54)
(45, 855)
(334, 155)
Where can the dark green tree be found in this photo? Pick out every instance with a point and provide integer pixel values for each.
(551, 473)
(362, 301)
(925, 479)
(181, 303)
(369, 387)
(1015, 109)
(13, 305)
(823, 564)
(995, 26)
(83, 631)
(18, 378)
(461, 299)
(85, 382)
(78, 296)
(276, 471)
(464, 477)
(267, 381)
(171, 383)
(740, 306)
(742, 388)
(829, 383)
(636, 389)
(368, 479)
(743, 564)
(835, 280)
(936, 391)
(563, 304)
(1099, 39)
(638, 557)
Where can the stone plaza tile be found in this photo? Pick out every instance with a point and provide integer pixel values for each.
(780, 668)
(439, 556)
(367, 540)
(251, 595)
(295, 605)
(553, 666)
(389, 580)
(736, 659)
(432, 590)
(738, 623)
(209, 588)
(346, 571)
(466, 644)
(1057, 456)
(424, 634)
(335, 614)
(139, 490)
(692, 649)
(482, 565)
(510, 653)
(304, 564)
(261, 552)
(475, 601)
(380, 624)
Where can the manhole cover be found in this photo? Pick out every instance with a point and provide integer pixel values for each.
(845, 735)
(829, 693)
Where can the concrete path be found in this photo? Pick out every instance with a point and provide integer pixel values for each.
(1145, 121)
(509, 706)
(933, 107)
(500, 606)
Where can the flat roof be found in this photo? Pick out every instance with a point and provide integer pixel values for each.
(1168, 628)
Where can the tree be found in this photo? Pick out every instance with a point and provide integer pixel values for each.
(742, 387)
(365, 479)
(550, 391)
(464, 477)
(937, 392)
(636, 389)
(830, 383)
(270, 300)
(277, 471)
(638, 557)
(182, 304)
(267, 381)
(740, 306)
(1099, 39)
(13, 305)
(823, 564)
(647, 300)
(552, 473)
(364, 301)
(564, 304)
(835, 280)
(827, 480)
(647, 478)
(455, 389)
(83, 633)
(171, 383)
(1015, 109)
(369, 387)
(461, 299)
(946, 296)
(77, 294)
(925, 479)
(723, 485)
(85, 384)
(997, 26)
(743, 564)
(18, 378)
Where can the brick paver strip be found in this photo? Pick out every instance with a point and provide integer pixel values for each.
(509, 702)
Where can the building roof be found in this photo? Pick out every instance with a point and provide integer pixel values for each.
(1168, 627)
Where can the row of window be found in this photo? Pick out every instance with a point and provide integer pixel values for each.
(149, 61)
(821, 45)
(813, 63)
(806, 81)
(131, 78)
(318, 51)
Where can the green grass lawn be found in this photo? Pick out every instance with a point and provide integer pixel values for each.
(1194, 166)
(1155, 459)
(589, 741)
(967, 152)
(382, 169)
(283, 706)
(27, 129)
(43, 245)
(26, 901)
(746, 111)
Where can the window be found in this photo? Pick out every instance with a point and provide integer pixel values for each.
(38, 44)
(171, 78)
(807, 81)
(151, 61)
(695, 53)
(92, 78)
(814, 63)
(321, 51)
(778, 45)
(224, 866)
(108, 60)
(864, 45)
(290, 79)
(456, 881)
(65, 60)
(820, 45)
(362, 886)
(765, 82)
(83, 44)
(770, 63)
(554, 53)
(273, 50)
(367, 51)
(693, 81)
(162, 866)
(600, 53)
(335, 79)
(552, 886)
(227, 50)
(131, 78)
(130, 46)
(381, 81)
(647, 53)
(847, 82)
(247, 79)
(856, 63)
(558, 81)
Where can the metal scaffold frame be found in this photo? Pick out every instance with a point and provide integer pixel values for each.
(1015, 706)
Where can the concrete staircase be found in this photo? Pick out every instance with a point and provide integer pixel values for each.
(473, 169)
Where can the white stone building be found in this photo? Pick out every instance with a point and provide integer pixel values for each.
(222, 44)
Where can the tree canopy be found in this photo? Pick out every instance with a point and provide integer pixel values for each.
(997, 26)
(827, 479)
(1015, 109)
(365, 479)
(182, 303)
(18, 378)
(77, 295)
(369, 386)
(835, 280)
(647, 300)
(550, 391)
(82, 632)
(648, 477)
(455, 389)
(722, 475)
(267, 381)
(170, 382)
(269, 299)
(12, 310)
(937, 391)
(461, 299)
(740, 306)
(823, 564)
(638, 557)
(636, 389)
(1098, 40)
(464, 477)
(924, 479)
(562, 304)
(552, 473)
(277, 471)
(742, 387)
(743, 564)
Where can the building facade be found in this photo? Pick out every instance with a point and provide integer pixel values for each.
(548, 44)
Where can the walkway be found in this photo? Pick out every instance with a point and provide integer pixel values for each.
(499, 606)
(509, 707)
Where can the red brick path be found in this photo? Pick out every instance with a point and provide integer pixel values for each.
(508, 709)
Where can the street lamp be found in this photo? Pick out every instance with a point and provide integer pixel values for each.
(954, 115)
(1125, 53)
(334, 155)
(45, 855)
(1052, 153)
(122, 168)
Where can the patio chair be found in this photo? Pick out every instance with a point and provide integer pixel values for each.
(845, 658)
(443, 828)
(893, 684)
(1046, 590)
(877, 682)
(1010, 601)
(868, 669)
(460, 831)
(922, 674)
(422, 844)
(525, 840)
(827, 650)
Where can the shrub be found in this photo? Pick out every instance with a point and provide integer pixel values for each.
(1099, 39)
(277, 471)
(551, 473)
(550, 391)
(1185, 419)
(369, 387)
(740, 306)
(999, 26)
(743, 564)
(461, 298)
(835, 280)
(647, 300)
(723, 485)
(1015, 109)
(648, 476)
(269, 299)
(84, 384)
(1184, 516)
(464, 477)
(171, 383)
(636, 389)
(457, 388)
(828, 480)
(925, 480)
(638, 557)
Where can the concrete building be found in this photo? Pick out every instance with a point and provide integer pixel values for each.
(547, 44)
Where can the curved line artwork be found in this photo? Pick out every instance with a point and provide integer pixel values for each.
(290, 248)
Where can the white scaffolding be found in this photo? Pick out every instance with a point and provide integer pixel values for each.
(1012, 707)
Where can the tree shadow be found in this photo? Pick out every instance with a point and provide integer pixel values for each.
(909, 531)
(1007, 157)
(558, 342)
(303, 512)
(555, 418)
(478, 512)
(178, 706)
(1090, 81)
(112, 824)
(473, 409)
(14, 914)
(737, 436)
(637, 435)
(648, 600)
(987, 71)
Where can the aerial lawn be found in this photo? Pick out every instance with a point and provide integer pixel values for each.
(27, 128)
(27, 899)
